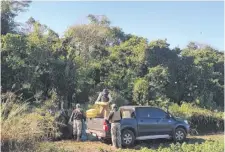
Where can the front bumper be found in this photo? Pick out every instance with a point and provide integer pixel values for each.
(188, 128)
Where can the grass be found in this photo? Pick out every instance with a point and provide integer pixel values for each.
(215, 137)
(21, 126)
(206, 142)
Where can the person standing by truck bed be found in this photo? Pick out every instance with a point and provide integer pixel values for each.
(77, 116)
(114, 118)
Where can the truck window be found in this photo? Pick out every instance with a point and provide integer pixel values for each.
(143, 112)
(127, 114)
(150, 112)
(158, 113)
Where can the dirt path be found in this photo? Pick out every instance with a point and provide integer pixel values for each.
(153, 144)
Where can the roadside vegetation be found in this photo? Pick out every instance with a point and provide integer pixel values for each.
(207, 143)
(44, 75)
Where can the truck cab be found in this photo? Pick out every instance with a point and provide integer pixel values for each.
(145, 122)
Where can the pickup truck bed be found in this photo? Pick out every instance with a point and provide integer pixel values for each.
(99, 128)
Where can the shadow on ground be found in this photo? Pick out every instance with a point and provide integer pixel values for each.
(156, 143)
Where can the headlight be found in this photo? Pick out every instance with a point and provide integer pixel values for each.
(186, 121)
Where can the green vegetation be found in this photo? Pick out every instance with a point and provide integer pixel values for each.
(200, 144)
(22, 126)
(41, 71)
(208, 146)
(201, 120)
(96, 55)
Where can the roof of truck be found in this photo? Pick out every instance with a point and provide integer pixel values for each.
(133, 107)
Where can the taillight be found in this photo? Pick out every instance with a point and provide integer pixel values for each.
(105, 126)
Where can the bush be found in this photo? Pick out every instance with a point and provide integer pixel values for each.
(22, 127)
(203, 120)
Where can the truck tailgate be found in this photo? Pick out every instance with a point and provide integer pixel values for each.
(95, 127)
(95, 124)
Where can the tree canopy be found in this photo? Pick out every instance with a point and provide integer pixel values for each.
(89, 57)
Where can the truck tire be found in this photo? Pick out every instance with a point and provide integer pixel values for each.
(127, 138)
(179, 135)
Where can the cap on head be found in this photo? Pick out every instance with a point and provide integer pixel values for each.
(105, 91)
(78, 105)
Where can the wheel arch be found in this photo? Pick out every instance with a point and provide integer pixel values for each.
(181, 126)
(129, 128)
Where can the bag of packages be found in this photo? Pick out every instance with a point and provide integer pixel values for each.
(92, 113)
(99, 109)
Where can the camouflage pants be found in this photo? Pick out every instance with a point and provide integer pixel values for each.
(116, 135)
(77, 127)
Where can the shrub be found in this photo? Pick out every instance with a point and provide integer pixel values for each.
(22, 127)
(203, 120)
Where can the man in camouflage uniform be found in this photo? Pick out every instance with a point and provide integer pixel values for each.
(77, 117)
(114, 118)
(104, 96)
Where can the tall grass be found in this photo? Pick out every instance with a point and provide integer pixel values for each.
(21, 126)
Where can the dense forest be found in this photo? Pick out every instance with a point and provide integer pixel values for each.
(37, 64)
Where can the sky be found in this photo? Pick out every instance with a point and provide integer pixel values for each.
(178, 22)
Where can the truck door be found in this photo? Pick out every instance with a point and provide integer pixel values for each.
(153, 121)
(147, 125)
(164, 124)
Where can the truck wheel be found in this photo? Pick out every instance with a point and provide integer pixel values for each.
(128, 138)
(179, 135)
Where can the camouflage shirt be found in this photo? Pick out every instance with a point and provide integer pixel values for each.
(78, 114)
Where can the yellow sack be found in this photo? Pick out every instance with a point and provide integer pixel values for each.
(101, 103)
(99, 109)
(92, 113)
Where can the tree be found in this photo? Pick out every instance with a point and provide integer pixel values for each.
(99, 20)
(9, 10)
(159, 53)
(192, 46)
(158, 79)
(89, 57)
(35, 60)
(141, 91)
(207, 79)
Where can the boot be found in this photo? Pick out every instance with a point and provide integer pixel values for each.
(75, 137)
(78, 138)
